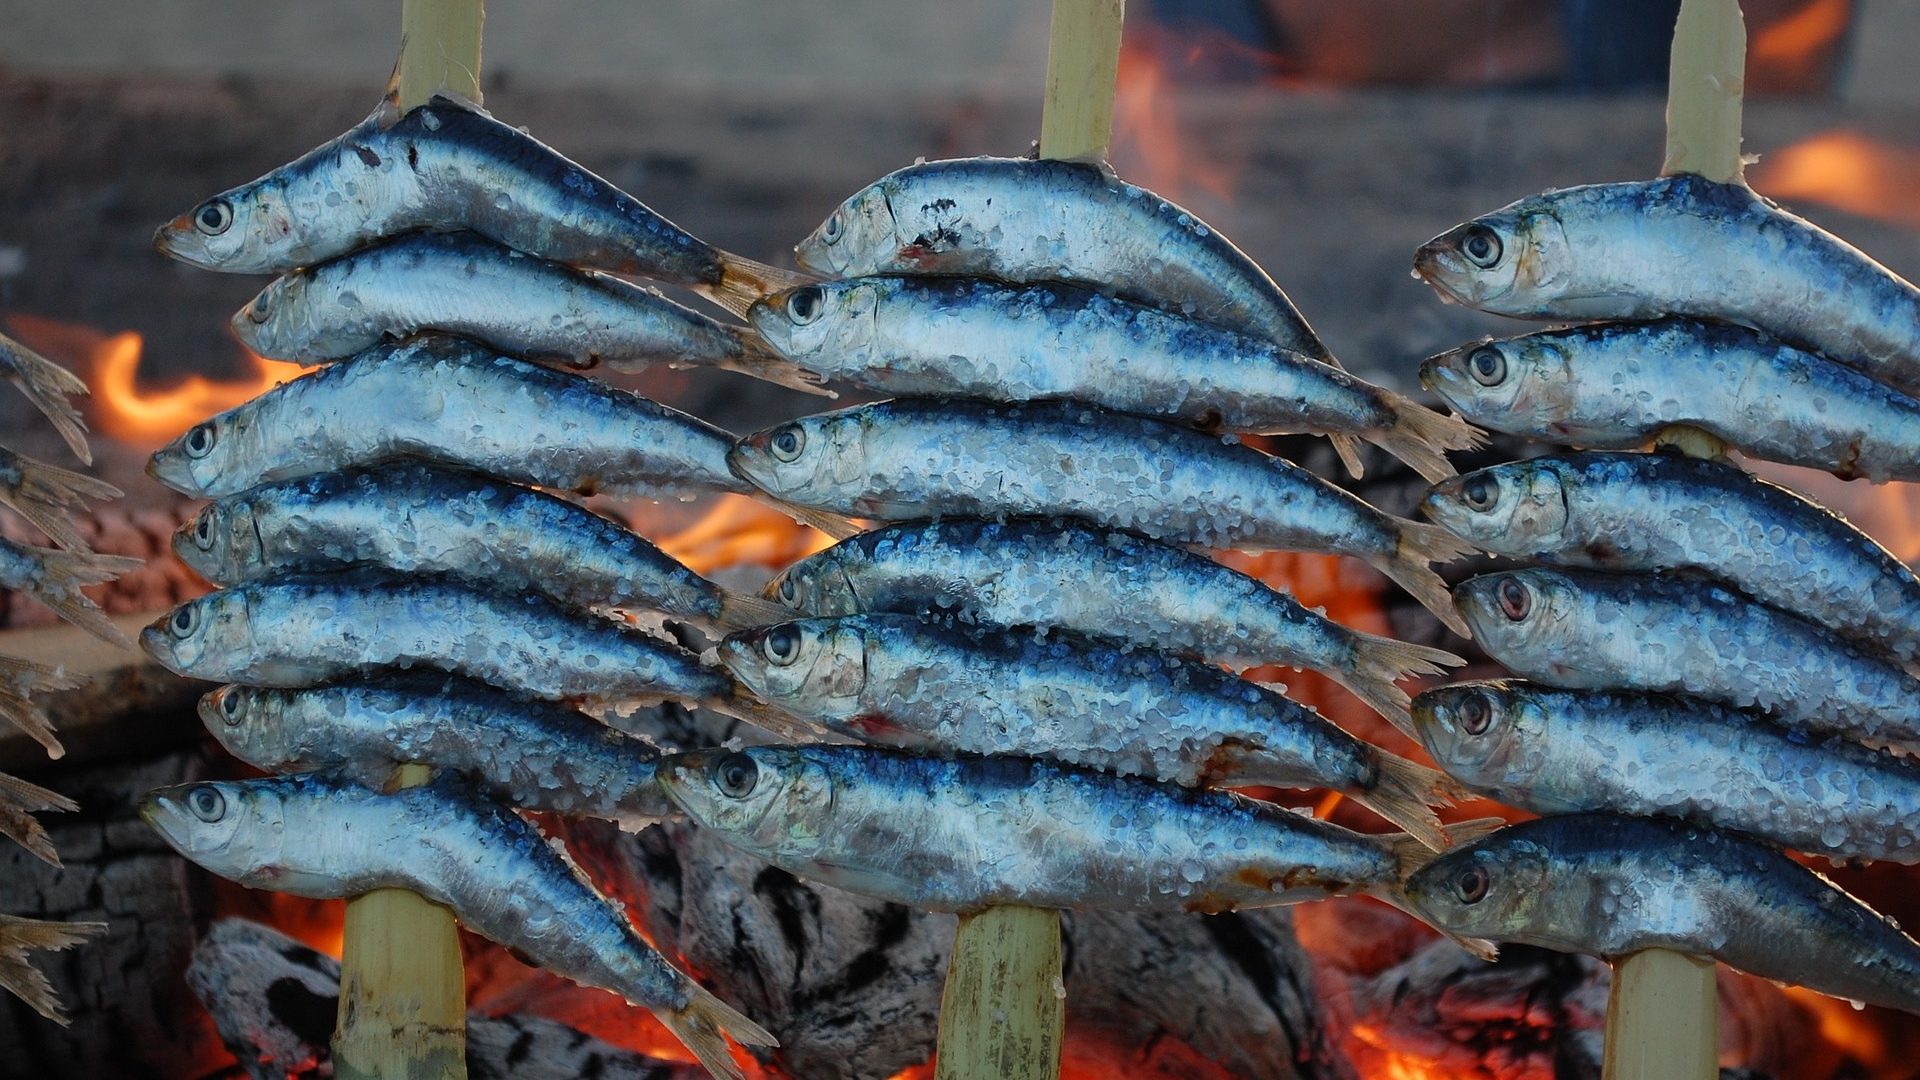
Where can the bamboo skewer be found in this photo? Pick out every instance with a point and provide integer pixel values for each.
(1663, 1007)
(403, 1011)
(1003, 1010)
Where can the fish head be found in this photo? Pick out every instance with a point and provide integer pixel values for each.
(1476, 730)
(817, 585)
(222, 542)
(1514, 509)
(276, 323)
(1510, 262)
(768, 799)
(203, 637)
(1521, 384)
(248, 230)
(233, 828)
(824, 327)
(817, 666)
(816, 460)
(1531, 613)
(196, 463)
(847, 242)
(252, 723)
(1495, 889)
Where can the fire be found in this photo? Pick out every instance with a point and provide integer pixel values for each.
(1848, 171)
(1792, 51)
(739, 531)
(1147, 145)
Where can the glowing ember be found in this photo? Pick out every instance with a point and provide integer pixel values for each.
(1847, 171)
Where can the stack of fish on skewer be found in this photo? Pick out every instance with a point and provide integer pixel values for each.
(46, 496)
(1699, 645)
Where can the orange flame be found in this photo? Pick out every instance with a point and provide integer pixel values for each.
(1794, 50)
(1148, 148)
(1847, 171)
(739, 531)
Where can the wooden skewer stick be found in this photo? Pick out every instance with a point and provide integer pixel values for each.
(403, 1010)
(1663, 1019)
(1003, 1011)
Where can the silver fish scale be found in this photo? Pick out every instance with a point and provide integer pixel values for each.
(533, 755)
(1060, 574)
(302, 632)
(462, 284)
(1609, 885)
(1663, 512)
(1614, 386)
(415, 518)
(456, 404)
(1555, 751)
(1597, 631)
(961, 835)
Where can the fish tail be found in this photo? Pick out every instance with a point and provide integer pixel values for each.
(65, 573)
(18, 937)
(742, 706)
(1405, 793)
(19, 681)
(48, 386)
(1379, 663)
(19, 801)
(47, 493)
(1420, 436)
(833, 525)
(1421, 544)
(743, 282)
(762, 361)
(703, 1025)
(740, 611)
(1348, 448)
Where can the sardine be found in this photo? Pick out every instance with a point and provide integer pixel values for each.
(1610, 886)
(325, 838)
(304, 631)
(55, 578)
(1641, 512)
(898, 680)
(962, 835)
(1585, 631)
(449, 165)
(1561, 751)
(1027, 220)
(47, 385)
(1682, 245)
(20, 680)
(531, 754)
(414, 518)
(894, 460)
(529, 307)
(19, 937)
(19, 801)
(986, 339)
(455, 403)
(45, 495)
(1613, 386)
(1106, 584)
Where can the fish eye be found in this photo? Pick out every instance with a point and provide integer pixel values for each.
(1476, 716)
(1481, 493)
(200, 440)
(185, 620)
(736, 775)
(805, 305)
(207, 803)
(787, 443)
(203, 530)
(835, 225)
(788, 592)
(1481, 246)
(1471, 884)
(782, 644)
(214, 218)
(1515, 599)
(1488, 366)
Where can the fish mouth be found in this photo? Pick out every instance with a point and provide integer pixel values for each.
(162, 813)
(1439, 376)
(680, 774)
(1434, 263)
(155, 643)
(210, 711)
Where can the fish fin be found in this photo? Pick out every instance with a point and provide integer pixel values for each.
(20, 711)
(768, 718)
(48, 385)
(1379, 663)
(1348, 447)
(18, 937)
(762, 361)
(19, 681)
(1410, 855)
(739, 611)
(1419, 580)
(1405, 793)
(1472, 831)
(703, 1025)
(19, 801)
(832, 524)
(1420, 436)
(46, 494)
(744, 282)
(65, 573)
